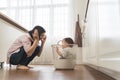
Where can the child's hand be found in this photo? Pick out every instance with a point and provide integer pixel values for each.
(57, 49)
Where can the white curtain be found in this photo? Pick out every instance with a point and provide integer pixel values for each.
(109, 25)
(53, 15)
(102, 34)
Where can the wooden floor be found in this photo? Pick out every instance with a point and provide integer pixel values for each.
(47, 72)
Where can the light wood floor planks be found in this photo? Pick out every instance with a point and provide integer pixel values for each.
(47, 72)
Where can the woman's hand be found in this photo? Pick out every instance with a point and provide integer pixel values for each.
(43, 39)
(36, 38)
(35, 43)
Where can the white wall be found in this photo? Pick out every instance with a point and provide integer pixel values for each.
(8, 33)
(102, 39)
(78, 7)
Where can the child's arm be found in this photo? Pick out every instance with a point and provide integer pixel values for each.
(58, 52)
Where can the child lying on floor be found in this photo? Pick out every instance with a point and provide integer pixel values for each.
(66, 53)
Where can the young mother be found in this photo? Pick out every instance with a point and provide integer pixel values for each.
(26, 47)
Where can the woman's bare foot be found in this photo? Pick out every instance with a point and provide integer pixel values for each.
(29, 67)
(22, 67)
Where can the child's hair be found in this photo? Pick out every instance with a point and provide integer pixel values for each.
(69, 41)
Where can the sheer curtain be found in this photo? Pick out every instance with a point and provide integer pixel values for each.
(109, 34)
(102, 34)
(109, 25)
(53, 15)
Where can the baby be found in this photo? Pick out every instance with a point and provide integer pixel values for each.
(66, 53)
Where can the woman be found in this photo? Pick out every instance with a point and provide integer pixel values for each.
(25, 48)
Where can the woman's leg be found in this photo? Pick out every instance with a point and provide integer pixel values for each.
(21, 57)
(16, 57)
(37, 50)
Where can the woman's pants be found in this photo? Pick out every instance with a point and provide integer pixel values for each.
(22, 58)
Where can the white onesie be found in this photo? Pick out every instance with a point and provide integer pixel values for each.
(67, 53)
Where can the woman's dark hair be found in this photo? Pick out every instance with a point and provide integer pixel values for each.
(40, 31)
(69, 41)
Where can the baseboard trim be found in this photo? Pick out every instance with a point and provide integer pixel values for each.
(112, 73)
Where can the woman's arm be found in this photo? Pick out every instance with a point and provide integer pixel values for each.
(42, 45)
(32, 48)
(35, 43)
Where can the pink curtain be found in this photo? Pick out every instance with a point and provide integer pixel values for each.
(78, 34)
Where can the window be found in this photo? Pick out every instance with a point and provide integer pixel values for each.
(51, 14)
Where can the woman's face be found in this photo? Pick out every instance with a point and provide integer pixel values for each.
(64, 44)
(36, 34)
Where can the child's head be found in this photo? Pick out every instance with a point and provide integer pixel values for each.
(66, 42)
